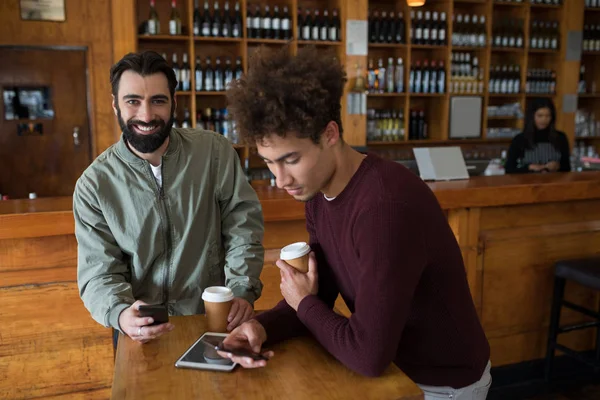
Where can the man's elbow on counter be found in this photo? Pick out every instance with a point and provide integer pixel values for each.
(371, 367)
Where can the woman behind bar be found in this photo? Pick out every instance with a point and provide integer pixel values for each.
(540, 147)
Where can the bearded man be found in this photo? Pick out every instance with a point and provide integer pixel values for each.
(163, 213)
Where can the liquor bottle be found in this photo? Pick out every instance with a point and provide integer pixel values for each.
(400, 29)
(399, 76)
(238, 68)
(174, 20)
(206, 24)
(315, 29)
(209, 76)
(228, 73)
(257, 23)
(418, 39)
(443, 28)
(198, 75)
(216, 21)
(334, 27)
(276, 24)
(227, 24)
(427, 28)
(249, 23)
(236, 25)
(307, 25)
(286, 25)
(219, 76)
(176, 70)
(381, 76)
(267, 32)
(324, 28)
(389, 76)
(197, 18)
(185, 74)
(441, 78)
(187, 122)
(153, 21)
(374, 25)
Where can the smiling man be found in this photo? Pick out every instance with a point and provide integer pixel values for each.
(378, 235)
(163, 213)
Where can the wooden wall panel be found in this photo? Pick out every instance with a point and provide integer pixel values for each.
(50, 346)
(37, 253)
(88, 24)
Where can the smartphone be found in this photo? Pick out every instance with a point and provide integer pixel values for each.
(239, 352)
(158, 312)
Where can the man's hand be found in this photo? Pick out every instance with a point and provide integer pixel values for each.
(536, 167)
(296, 285)
(249, 336)
(241, 311)
(137, 328)
(552, 166)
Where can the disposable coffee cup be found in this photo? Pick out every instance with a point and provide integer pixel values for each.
(217, 303)
(296, 254)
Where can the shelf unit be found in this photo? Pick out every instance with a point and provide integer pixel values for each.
(590, 59)
(569, 15)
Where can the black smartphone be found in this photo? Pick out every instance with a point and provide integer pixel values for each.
(237, 351)
(158, 312)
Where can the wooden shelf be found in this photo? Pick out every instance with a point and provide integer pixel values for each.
(546, 6)
(213, 93)
(540, 94)
(466, 94)
(471, 1)
(319, 42)
(591, 53)
(505, 94)
(591, 9)
(386, 94)
(469, 48)
(508, 49)
(503, 118)
(428, 47)
(182, 93)
(217, 39)
(501, 3)
(427, 95)
(385, 142)
(544, 51)
(388, 45)
(266, 41)
(178, 38)
(589, 95)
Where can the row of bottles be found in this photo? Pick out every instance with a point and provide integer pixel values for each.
(544, 35)
(417, 126)
(216, 79)
(540, 81)
(547, 2)
(508, 32)
(212, 119)
(388, 79)
(316, 27)
(469, 31)
(387, 28)
(385, 125)
(427, 29)
(153, 23)
(427, 78)
(466, 76)
(592, 3)
(267, 24)
(583, 86)
(217, 24)
(591, 37)
(505, 79)
(182, 72)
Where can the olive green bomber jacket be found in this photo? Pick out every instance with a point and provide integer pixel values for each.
(139, 241)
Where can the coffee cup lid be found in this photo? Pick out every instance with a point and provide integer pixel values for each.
(294, 250)
(217, 294)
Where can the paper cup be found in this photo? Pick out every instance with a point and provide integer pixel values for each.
(217, 304)
(296, 254)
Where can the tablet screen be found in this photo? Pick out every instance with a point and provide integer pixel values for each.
(201, 353)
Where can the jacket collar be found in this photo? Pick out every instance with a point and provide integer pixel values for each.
(127, 155)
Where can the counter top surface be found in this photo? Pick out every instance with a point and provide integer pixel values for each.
(480, 191)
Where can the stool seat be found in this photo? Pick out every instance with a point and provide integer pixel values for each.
(585, 271)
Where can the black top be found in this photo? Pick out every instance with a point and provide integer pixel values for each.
(521, 155)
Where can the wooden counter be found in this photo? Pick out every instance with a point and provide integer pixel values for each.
(510, 230)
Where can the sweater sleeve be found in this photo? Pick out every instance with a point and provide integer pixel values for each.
(515, 152)
(391, 253)
(281, 322)
(565, 153)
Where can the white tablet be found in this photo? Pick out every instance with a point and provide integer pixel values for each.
(202, 356)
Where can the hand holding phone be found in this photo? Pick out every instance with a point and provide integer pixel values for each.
(238, 352)
(158, 312)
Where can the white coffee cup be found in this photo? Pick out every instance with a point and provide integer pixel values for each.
(217, 304)
(296, 254)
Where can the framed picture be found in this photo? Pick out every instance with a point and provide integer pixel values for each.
(43, 10)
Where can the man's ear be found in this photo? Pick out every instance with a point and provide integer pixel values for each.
(114, 106)
(331, 135)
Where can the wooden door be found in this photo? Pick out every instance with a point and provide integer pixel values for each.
(47, 164)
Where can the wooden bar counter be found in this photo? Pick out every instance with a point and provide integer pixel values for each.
(301, 369)
(510, 230)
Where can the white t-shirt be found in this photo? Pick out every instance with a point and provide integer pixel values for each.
(329, 198)
(157, 172)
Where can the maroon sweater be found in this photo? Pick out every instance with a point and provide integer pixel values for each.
(385, 245)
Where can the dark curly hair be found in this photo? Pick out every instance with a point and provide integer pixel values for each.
(282, 94)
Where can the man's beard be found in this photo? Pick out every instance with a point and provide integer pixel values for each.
(145, 143)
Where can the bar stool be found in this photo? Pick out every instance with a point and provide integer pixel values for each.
(587, 273)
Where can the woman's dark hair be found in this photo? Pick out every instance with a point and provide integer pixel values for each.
(530, 128)
(284, 94)
(146, 63)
